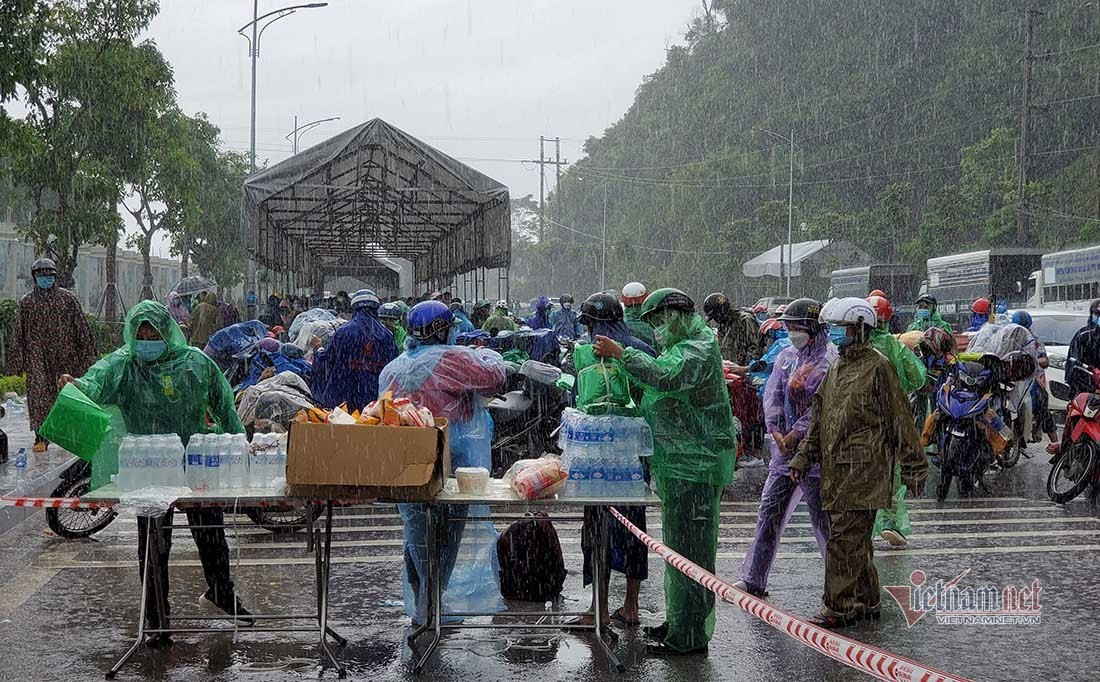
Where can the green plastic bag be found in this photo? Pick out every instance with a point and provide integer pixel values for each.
(603, 387)
(105, 461)
(76, 423)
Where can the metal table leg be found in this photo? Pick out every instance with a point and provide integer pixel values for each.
(323, 580)
(434, 590)
(597, 578)
(152, 528)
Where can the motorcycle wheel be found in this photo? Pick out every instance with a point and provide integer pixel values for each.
(1076, 467)
(281, 519)
(1011, 455)
(77, 523)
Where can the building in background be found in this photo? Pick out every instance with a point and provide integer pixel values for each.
(90, 278)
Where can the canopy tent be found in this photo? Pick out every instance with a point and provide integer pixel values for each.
(374, 192)
(768, 264)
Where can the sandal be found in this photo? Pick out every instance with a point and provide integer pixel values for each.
(825, 619)
(619, 618)
(658, 632)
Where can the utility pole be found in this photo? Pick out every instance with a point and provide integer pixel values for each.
(1023, 226)
(603, 258)
(790, 216)
(543, 162)
(557, 180)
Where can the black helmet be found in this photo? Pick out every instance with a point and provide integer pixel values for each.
(716, 306)
(802, 310)
(600, 308)
(928, 299)
(1019, 366)
(565, 298)
(43, 265)
(667, 298)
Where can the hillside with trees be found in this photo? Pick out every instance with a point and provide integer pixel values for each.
(906, 120)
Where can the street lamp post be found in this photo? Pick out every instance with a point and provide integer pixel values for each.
(254, 53)
(790, 209)
(300, 130)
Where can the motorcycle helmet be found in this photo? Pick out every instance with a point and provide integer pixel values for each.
(927, 300)
(390, 311)
(428, 318)
(938, 342)
(780, 309)
(634, 293)
(482, 303)
(565, 298)
(1019, 366)
(600, 308)
(666, 299)
(502, 305)
(849, 311)
(43, 266)
(759, 308)
(716, 307)
(804, 313)
(1022, 318)
(980, 306)
(364, 298)
(883, 310)
(770, 327)
(877, 292)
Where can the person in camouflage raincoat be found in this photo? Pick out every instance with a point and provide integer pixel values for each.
(51, 337)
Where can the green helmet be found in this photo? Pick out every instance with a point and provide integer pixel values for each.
(404, 306)
(482, 303)
(667, 299)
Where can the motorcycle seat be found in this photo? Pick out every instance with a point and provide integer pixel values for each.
(510, 406)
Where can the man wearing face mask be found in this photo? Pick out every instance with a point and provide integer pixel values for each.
(162, 385)
(928, 316)
(347, 369)
(51, 337)
(564, 321)
(860, 425)
(788, 397)
(694, 445)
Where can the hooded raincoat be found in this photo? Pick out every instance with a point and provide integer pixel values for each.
(788, 399)
(694, 446)
(933, 320)
(451, 381)
(176, 393)
(347, 369)
(204, 319)
(566, 323)
(540, 320)
(499, 322)
(913, 375)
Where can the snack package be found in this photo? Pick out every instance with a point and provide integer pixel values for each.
(544, 478)
(410, 415)
(339, 416)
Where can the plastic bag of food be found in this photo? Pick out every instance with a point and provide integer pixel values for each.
(545, 478)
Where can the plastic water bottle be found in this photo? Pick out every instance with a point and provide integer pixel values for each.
(211, 463)
(196, 478)
(279, 465)
(21, 483)
(174, 474)
(135, 464)
(235, 462)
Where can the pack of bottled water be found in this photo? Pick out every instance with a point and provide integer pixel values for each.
(15, 410)
(151, 460)
(603, 454)
(218, 462)
(268, 460)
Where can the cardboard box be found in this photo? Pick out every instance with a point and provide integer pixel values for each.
(402, 463)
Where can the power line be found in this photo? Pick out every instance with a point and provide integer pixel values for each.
(1072, 49)
(1066, 101)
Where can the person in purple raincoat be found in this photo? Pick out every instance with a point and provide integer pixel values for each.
(799, 371)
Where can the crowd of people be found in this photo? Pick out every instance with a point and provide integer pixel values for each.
(816, 392)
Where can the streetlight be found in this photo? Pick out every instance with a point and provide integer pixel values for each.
(300, 130)
(254, 53)
(790, 208)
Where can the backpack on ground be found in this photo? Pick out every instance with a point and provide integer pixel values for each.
(532, 567)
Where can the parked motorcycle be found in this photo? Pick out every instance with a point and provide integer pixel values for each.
(1078, 464)
(526, 418)
(1018, 374)
(962, 402)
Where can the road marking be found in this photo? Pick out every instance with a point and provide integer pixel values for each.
(397, 559)
(29, 580)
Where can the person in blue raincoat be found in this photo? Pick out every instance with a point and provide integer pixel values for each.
(541, 318)
(462, 321)
(564, 321)
(346, 371)
(453, 382)
(775, 342)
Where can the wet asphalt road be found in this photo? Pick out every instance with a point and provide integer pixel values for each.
(68, 608)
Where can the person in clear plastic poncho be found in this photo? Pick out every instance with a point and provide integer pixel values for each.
(161, 385)
(694, 445)
(452, 381)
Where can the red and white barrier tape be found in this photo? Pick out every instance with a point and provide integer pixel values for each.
(52, 503)
(877, 663)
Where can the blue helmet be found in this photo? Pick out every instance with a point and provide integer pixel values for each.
(428, 318)
(543, 303)
(1022, 318)
(1002, 308)
(391, 311)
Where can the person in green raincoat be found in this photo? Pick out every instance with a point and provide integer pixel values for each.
(162, 385)
(928, 316)
(893, 523)
(694, 445)
(500, 320)
(393, 316)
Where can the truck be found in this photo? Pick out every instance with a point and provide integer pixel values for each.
(1066, 280)
(1001, 275)
(899, 281)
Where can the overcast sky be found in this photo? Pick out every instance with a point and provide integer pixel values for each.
(479, 79)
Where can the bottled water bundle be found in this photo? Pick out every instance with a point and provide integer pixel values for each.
(218, 462)
(148, 461)
(268, 460)
(603, 454)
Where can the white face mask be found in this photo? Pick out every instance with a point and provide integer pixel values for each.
(799, 339)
